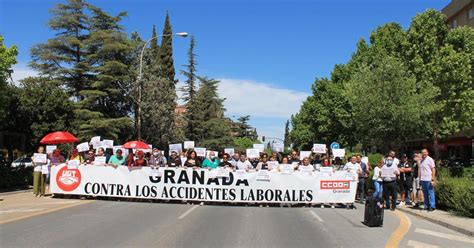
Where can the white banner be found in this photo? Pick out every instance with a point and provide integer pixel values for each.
(203, 185)
(319, 148)
(188, 144)
(50, 149)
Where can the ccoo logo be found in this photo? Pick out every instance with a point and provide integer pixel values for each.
(335, 184)
(68, 179)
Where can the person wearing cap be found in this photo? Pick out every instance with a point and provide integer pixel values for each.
(117, 159)
(405, 181)
(157, 159)
(175, 160)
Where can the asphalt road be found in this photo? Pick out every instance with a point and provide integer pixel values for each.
(136, 224)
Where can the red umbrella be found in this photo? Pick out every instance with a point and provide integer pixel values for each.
(136, 145)
(58, 138)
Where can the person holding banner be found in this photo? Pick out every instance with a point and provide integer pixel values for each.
(157, 159)
(243, 163)
(76, 156)
(140, 161)
(389, 173)
(117, 159)
(192, 160)
(225, 161)
(306, 164)
(90, 157)
(211, 161)
(175, 160)
(294, 158)
(39, 159)
(263, 164)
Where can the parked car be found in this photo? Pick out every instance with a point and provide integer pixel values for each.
(24, 161)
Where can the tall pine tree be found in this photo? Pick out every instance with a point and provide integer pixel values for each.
(287, 140)
(189, 91)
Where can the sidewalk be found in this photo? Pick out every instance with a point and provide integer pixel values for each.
(463, 225)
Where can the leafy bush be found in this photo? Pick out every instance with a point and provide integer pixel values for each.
(456, 194)
(15, 177)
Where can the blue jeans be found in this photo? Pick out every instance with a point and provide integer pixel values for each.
(428, 194)
(378, 189)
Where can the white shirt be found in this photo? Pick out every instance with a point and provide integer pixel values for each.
(246, 165)
(376, 176)
(352, 167)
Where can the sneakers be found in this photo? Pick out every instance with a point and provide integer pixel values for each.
(431, 210)
(402, 203)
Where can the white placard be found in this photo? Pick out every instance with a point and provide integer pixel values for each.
(222, 172)
(45, 169)
(305, 154)
(83, 147)
(73, 164)
(100, 160)
(272, 165)
(40, 158)
(253, 153)
(286, 169)
(50, 149)
(229, 151)
(95, 142)
(278, 147)
(260, 147)
(339, 153)
(365, 160)
(319, 148)
(188, 144)
(200, 151)
(107, 143)
(263, 175)
(176, 147)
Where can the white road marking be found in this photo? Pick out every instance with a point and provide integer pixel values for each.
(316, 216)
(416, 244)
(19, 210)
(187, 212)
(445, 235)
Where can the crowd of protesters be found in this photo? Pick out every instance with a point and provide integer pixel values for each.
(402, 182)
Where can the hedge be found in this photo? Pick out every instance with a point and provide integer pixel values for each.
(15, 177)
(456, 195)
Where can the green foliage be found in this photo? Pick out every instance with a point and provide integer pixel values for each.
(456, 194)
(15, 177)
(243, 143)
(7, 60)
(287, 140)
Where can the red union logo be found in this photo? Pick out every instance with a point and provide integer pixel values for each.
(68, 179)
(335, 184)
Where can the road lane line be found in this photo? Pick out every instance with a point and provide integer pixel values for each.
(445, 235)
(316, 216)
(416, 244)
(187, 212)
(402, 230)
(44, 212)
(7, 211)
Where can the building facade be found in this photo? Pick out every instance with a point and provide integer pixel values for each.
(460, 13)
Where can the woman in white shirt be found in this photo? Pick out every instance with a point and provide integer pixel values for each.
(377, 178)
(39, 179)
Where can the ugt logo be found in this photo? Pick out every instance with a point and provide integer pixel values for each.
(68, 179)
(335, 184)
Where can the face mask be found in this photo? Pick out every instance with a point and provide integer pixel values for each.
(156, 154)
(212, 156)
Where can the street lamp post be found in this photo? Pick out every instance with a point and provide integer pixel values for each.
(139, 80)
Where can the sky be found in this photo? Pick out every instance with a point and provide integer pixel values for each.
(266, 53)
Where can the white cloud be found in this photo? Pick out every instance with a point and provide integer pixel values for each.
(246, 97)
(20, 72)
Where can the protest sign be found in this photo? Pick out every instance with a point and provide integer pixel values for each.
(99, 160)
(73, 164)
(83, 147)
(278, 147)
(50, 149)
(272, 165)
(45, 169)
(40, 158)
(200, 151)
(229, 151)
(222, 172)
(260, 147)
(176, 147)
(95, 142)
(319, 148)
(263, 175)
(305, 154)
(107, 143)
(338, 153)
(188, 144)
(253, 153)
(286, 169)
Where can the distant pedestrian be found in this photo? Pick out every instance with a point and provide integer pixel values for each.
(416, 195)
(389, 173)
(405, 182)
(39, 179)
(363, 178)
(427, 175)
(377, 178)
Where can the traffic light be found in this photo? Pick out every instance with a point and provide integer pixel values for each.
(263, 138)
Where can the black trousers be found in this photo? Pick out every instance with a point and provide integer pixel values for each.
(390, 189)
(361, 188)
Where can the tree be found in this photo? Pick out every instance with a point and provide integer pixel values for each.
(189, 90)
(287, 140)
(154, 47)
(7, 60)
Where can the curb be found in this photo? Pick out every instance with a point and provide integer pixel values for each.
(439, 222)
(16, 192)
